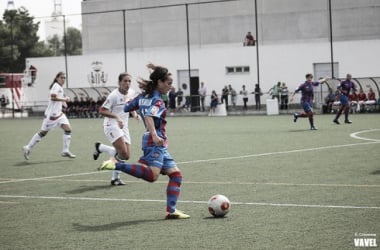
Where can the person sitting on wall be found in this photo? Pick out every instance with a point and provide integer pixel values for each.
(329, 101)
(371, 102)
(249, 40)
(362, 98)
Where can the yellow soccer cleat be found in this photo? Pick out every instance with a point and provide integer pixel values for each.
(177, 214)
(107, 165)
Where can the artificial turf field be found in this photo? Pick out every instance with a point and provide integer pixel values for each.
(290, 188)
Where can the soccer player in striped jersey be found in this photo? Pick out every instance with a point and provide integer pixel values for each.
(345, 87)
(115, 125)
(156, 159)
(307, 91)
(54, 117)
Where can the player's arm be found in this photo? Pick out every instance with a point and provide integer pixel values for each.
(296, 91)
(323, 80)
(54, 95)
(149, 121)
(132, 105)
(107, 113)
(105, 110)
(55, 98)
(135, 115)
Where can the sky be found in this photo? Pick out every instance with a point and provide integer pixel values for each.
(44, 8)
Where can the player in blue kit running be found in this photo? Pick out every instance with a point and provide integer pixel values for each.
(156, 159)
(307, 91)
(345, 88)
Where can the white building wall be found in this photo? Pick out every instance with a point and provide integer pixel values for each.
(286, 63)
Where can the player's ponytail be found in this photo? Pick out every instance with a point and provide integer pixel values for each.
(157, 73)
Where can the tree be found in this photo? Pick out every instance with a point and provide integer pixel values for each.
(42, 50)
(56, 45)
(18, 39)
(73, 41)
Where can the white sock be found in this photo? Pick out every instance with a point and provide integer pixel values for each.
(66, 142)
(115, 175)
(108, 149)
(35, 139)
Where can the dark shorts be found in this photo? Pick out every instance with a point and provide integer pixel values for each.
(158, 157)
(307, 107)
(344, 100)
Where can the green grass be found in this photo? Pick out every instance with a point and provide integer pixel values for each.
(291, 188)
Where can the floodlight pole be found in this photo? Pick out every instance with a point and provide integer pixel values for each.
(12, 78)
(331, 42)
(65, 50)
(125, 43)
(257, 47)
(188, 49)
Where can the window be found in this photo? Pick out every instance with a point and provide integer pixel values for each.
(3, 81)
(237, 69)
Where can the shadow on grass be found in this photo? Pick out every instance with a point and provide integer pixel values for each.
(376, 172)
(28, 163)
(215, 218)
(111, 226)
(299, 130)
(84, 189)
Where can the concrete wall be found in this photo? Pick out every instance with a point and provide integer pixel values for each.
(286, 63)
(279, 21)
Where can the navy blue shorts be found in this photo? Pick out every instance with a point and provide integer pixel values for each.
(344, 100)
(307, 107)
(156, 156)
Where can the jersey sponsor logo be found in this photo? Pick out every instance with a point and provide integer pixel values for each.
(145, 102)
(154, 110)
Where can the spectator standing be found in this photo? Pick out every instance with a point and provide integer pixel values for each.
(284, 96)
(275, 91)
(172, 100)
(214, 102)
(233, 94)
(244, 93)
(179, 97)
(225, 93)
(4, 102)
(258, 95)
(202, 91)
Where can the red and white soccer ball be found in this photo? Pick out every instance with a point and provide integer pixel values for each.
(219, 205)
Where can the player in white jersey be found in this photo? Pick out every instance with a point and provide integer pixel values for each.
(116, 125)
(54, 117)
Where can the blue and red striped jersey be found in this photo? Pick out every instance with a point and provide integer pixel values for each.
(152, 106)
(307, 91)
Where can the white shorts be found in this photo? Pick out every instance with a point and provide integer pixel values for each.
(49, 123)
(114, 132)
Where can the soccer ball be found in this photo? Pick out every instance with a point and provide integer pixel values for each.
(219, 205)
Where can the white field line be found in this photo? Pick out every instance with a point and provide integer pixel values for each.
(191, 202)
(280, 152)
(48, 177)
(355, 135)
(233, 183)
(373, 141)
